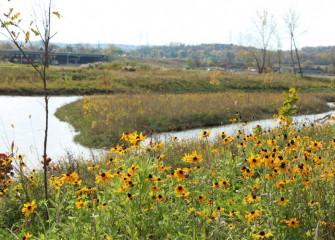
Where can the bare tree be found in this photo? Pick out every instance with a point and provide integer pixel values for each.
(264, 29)
(279, 46)
(291, 19)
(11, 23)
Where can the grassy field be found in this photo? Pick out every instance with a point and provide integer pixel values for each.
(110, 78)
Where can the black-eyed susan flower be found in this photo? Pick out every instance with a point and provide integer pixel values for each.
(103, 206)
(130, 196)
(93, 167)
(154, 189)
(180, 174)
(181, 190)
(254, 161)
(262, 235)
(28, 208)
(81, 204)
(103, 177)
(253, 215)
(193, 158)
(313, 203)
(27, 236)
(292, 222)
(201, 198)
(224, 183)
(282, 201)
(205, 133)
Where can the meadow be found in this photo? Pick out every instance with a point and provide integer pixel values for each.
(271, 184)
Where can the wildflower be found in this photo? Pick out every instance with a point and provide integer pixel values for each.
(27, 236)
(154, 189)
(71, 178)
(230, 226)
(201, 198)
(227, 140)
(205, 133)
(254, 161)
(223, 135)
(180, 174)
(251, 199)
(216, 185)
(103, 206)
(191, 210)
(160, 157)
(93, 167)
(28, 208)
(313, 203)
(193, 158)
(282, 201)
(253, 215)
(161, 197)
(248, 172)
(292, 222)
(130, 196)
(103, 177)
(151, 178)
(262, 235)
(81, 204)
(181, 191)
(225, 184)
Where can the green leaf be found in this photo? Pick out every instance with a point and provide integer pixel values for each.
(35, 32)
(56, 14)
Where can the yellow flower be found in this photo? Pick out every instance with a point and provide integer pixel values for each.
(93, 167)
(252, 215)
(262, 235)
(292, 222)
(27, 236)
(180, 174)
(28, 208)
(81, 204)
(103, 206)
(313, 203)
(205, 133)
(282, 201)
(201, 198)
(193, 158)
(103, 177)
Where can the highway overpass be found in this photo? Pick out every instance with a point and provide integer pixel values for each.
(55, 58)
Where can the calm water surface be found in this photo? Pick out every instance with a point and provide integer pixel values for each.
(22, 120)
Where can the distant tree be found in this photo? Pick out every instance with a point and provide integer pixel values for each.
(258, 51)
(291, 19)
(279, 51)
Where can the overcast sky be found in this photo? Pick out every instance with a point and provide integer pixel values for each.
(160, 22)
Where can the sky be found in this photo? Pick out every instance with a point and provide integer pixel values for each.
(161, 22)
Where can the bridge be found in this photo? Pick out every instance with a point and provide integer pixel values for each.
(55, 58)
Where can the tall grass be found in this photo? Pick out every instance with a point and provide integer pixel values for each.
(111, 78)
(102, 119)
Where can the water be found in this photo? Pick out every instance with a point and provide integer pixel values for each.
(22, 120)
(232, 129)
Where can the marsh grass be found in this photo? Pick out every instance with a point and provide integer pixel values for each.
(149, 78)
(102, 119)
